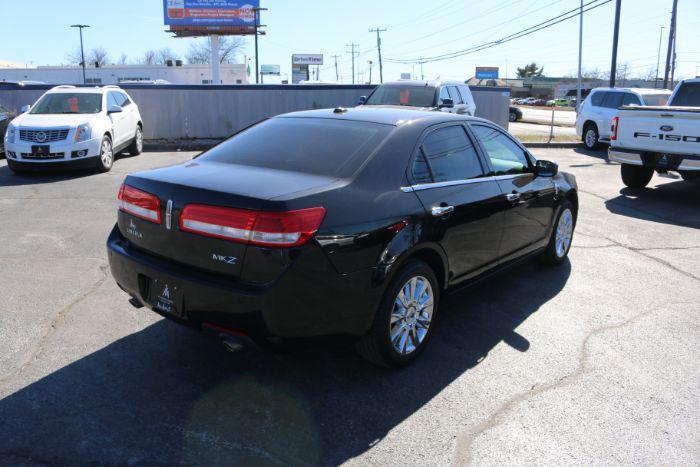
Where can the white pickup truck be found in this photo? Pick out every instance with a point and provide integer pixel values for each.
(659, 138)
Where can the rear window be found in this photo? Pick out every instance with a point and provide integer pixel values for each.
(68, 103)
(656, 99)
(412, 96)
(688, 95)
(319, 146)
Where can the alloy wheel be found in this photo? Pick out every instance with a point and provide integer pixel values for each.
(139, 140)
(565, 230)
(411, 315)
(591, 138)
(106, 153)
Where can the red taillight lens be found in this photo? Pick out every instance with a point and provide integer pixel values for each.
(139, 203)
(613, 130)
(283, 229)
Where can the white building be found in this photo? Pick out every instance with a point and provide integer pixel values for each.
(230, 73)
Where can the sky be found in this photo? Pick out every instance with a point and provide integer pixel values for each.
(414, 29)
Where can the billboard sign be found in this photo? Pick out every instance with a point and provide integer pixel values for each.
(299, 73)
(270, 70)
(307, 59)
(486, 72)
(405, 75)
(210, 12)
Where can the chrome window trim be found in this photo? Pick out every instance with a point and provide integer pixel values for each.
(510, 176)
(427, 186)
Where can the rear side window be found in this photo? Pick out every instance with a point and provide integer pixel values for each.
(319, 146)
(412, 96)
(613, 100)
(597, 98)
(688, 95)
(631, 99)
(447, 154)
(454, 94)
(506, 157)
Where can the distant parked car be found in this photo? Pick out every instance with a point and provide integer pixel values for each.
(75, 126)
(5, 116)
(447, 96)
(514, 114)
(596, 113)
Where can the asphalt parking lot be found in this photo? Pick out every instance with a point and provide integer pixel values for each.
(594, 362)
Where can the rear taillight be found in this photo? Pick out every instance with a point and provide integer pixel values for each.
(281, 229)
(613, 129)
(139, 203)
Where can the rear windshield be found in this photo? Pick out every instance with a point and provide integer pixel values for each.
(68, 103)
(412, 96)
(319, 146)
(656, 99)
(688, 95)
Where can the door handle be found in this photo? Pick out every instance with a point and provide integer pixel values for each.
(438, 211)
(512, 196)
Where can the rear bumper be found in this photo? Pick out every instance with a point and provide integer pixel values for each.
(305, 301)
(656, 160)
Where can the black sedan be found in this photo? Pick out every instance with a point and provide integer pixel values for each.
(340, 221)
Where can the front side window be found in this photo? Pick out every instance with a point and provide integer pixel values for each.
(68, 103)
(454, 94)
(112, 99)
(506, 156)
(405, 95)
(613, 100)
(447, 154)
(444, 94)
(319, 146)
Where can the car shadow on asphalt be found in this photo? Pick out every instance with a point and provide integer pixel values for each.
(601, 153)
(41, 176)
(669, 203)
(168, 395)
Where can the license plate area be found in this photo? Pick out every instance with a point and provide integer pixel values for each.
(41, 150)
(166, 296)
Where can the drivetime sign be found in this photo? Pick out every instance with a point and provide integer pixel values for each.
(210, 12)
(307, 59)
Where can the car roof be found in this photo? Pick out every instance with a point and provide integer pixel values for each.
(637, 90)
(426, 83)
(83, 90)
(383, 115)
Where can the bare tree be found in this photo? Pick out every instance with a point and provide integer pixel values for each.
(229, 49)
(163, 55)
(122, 59)
(97, 56)
(73, 57)
(149, 58)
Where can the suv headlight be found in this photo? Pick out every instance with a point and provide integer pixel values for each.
(10, 134)
(83, 132)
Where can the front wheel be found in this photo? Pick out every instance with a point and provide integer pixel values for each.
(136, 146)
(562, 234)
(636, 176)
(405, 318)
(512, 117)
(106, 157)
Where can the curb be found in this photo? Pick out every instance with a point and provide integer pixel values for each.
(555, 145)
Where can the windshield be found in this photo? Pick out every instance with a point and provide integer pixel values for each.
(656, 99)
(68, 103)
(688, 95)
(319, 146)
(411, 96)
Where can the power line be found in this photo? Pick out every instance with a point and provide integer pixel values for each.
(517, 35)
(379, 52)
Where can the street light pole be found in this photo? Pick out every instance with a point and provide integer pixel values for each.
(82, 53)
(580, 54)
(257, 27)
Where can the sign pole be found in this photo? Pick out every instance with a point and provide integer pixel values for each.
(214, 59)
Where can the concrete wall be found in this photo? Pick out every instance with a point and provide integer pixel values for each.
(213, 112)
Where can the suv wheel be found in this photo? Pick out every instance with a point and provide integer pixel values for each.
(405, 318)
(136, 146)
(591, 136)
(106, 157)
(636, 176)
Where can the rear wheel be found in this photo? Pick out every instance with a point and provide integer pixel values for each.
(136, 146)
(636, 176)
(591, 136)
(405, 318)
(562, 234)
(106, 157)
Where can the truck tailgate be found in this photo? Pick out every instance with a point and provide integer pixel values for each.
(673, 130)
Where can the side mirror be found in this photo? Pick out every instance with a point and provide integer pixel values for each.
(113, 109)
(362, 100)
(447, 104)
(546, 168)
(25, 108)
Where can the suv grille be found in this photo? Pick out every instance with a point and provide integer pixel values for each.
(43, 136)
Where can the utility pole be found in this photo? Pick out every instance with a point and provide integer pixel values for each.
(673, 58)
(257, 32)
(379, 51)
(82, 53)
(352, 53)
(370, 70)
(658, 57)
(671, 40)
(422, 76)
(337, 78)
(616, 35)
(580, 55)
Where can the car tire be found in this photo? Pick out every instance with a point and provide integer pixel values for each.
(399, 334)
(512, 117)
(591, 137)
(562, 234)
(105, 160)
(636, 176)
(136, 146)
(690, 176)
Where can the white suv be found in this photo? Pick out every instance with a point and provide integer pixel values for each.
(77, 126)
(596, 114)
